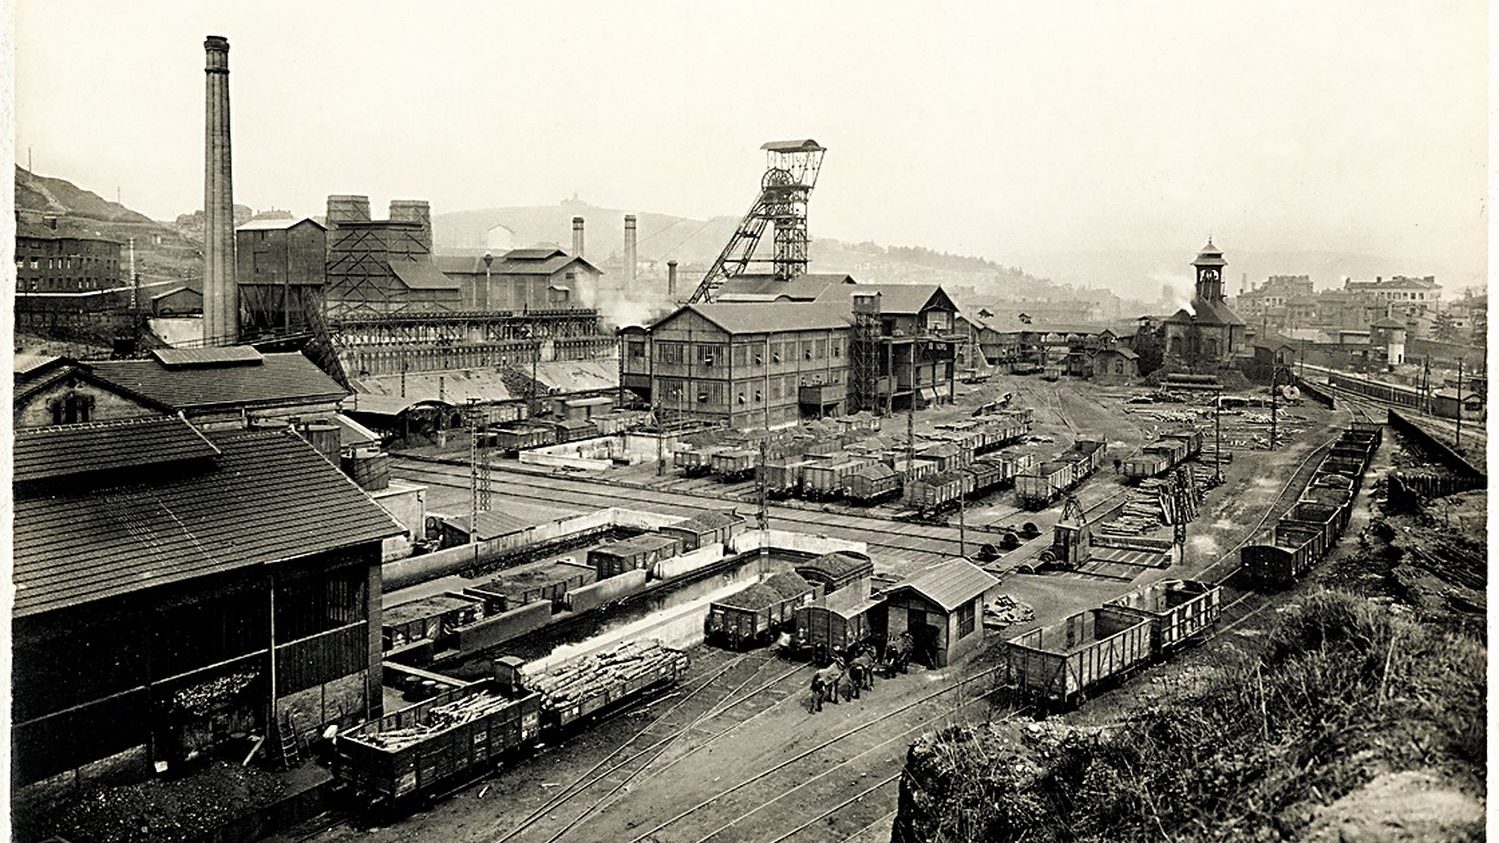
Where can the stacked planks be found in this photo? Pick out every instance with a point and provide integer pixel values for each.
(445, 716)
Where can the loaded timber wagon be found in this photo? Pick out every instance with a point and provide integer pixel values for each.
(415, 752)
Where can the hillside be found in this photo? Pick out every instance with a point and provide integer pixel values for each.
(162, 251)
(695, 243)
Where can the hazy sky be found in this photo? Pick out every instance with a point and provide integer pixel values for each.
(995, 128)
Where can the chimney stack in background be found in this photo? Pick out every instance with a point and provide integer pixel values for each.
(345, 207)
(630, 247)
(220, 296)
(671, 280)
(577, 237)
(414, 210)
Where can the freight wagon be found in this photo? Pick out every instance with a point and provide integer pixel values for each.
(938, 492)
(539, 581)
(826, 479)
(734, 464)
(1163, 455)
(837, 570)
(417, 751)
(947, 456)
(1051, 479)
(590, 685)
(427, 619)
(784, 477)
(1178, 611)
(834, 624)
(873, 483)
(753, 616)
(520, 437)
(631, 554)
(1061, 664)
(694, 461)
(705, 529)
(573, 430)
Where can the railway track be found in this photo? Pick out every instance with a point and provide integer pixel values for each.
(909, 538)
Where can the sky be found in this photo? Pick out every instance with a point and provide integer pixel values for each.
(1004, 129)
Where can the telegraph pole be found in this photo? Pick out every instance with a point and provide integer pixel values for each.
(1458, 442)
(962, 527)
(1274, 377)
(1218, 436)
(473, 472)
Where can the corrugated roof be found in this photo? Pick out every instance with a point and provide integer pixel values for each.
(950, 584)
(773, 317)
(422, 275)
(268, 497)
(233, 355)
(570, 376)
(47, 453)
(25, 364)
(281, 379)
(755, 287)
(451, 387)
(532, 262)
(278, 224)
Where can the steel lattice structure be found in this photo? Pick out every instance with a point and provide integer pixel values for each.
(791, 169)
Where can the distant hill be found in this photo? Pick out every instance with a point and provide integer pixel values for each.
(695, 243)
(162, 251)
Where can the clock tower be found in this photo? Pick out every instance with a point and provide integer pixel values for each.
(1209, 266)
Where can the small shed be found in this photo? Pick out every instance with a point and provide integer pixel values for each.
(707, 528)
(583, 409)
(940, 607)
(1116, 365)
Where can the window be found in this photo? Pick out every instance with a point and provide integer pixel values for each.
(72, 408)
(837, 348)
(775, 353)
(758, 397)
(759, 358)
(965, 619)
(637, 348)
(806, 349)
(822, 349)
(741, 397)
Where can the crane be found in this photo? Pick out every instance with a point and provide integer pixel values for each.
(791, 169)
(1071, 540)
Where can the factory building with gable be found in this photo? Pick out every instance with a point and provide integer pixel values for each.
(1209, 335)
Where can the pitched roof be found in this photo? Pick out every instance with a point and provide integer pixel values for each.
(455, 387)
(1387, 322)
(570, 376)
(756, 287)
(772, 317)
(493, 524)
(278, 224)
(234, 355)
(1210, 256)
(49, 453)
(267, 498)
(421, 275)
(28, 364)
(895, 298)
(1207, 313)
(281, 379)
(513, 262)
(805, 145)
(950, 584)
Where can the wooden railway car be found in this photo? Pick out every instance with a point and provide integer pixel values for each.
(705, 529)
(520, 437)
(426, 619)
(752, 617)
(1178, 611)
(1281, 563)
(574, 430)
(826, 479)
(695, 461)
(593, 684)
(1329, 496)
(1051, 479)
(532, 583)
(416, 751)
(946, 456)
(632, 554)
(937, 492)
(833, 625)
(784, 477)
(873, 483)
(1062, 663)
(986, 476)
(734, 464)
(837, 570)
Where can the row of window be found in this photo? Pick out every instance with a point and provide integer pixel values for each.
(711, 354)
(675, 390)
(83, 262)
(52, 285)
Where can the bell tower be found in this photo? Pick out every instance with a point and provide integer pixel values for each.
(1209, 266)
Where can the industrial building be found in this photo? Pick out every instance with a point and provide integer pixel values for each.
(59, 272)
(746, 365)
(180, 594)
(280, 266)
(903, 344)
(1210, 335)
(942, 608)
(523, 280)
(380, 267)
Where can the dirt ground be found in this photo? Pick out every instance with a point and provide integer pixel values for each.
(775, 727)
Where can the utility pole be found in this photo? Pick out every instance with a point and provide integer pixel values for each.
(962, 528)
(660, 432)
(764, 513)
(1274, 404)
(911, 421)
(1458, 442)
(1218, 436)
(473, 472)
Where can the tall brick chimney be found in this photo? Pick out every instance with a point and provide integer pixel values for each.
(220, 296)
(671, 279)
(629, 247)
(577, 237)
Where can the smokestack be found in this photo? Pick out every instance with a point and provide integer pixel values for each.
(414, 210)
(220, 296)
(629, 247)
(577, 237)
(345, 207)
(671, 279)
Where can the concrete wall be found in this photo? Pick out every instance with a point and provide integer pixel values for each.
(688, 562)
(408, 505)
(786, 540)
(500, 628)
(605, 590)
(415, 569)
